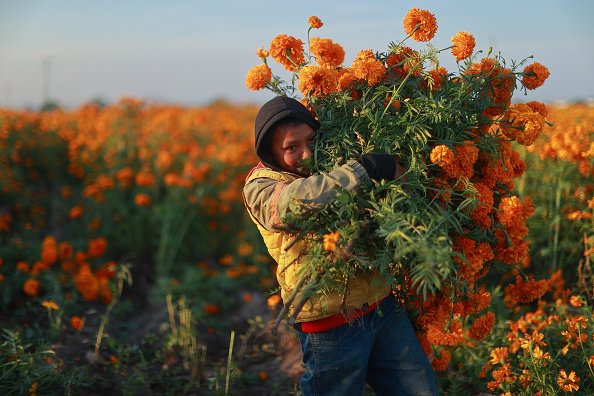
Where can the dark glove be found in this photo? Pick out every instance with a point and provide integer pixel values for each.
(378, 166)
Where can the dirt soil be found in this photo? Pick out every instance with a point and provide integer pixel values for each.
(271, 360)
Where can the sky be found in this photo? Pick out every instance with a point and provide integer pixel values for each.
(193, 52)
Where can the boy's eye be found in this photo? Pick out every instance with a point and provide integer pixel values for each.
(291, 147)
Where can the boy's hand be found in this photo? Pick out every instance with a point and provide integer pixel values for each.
(381, 166)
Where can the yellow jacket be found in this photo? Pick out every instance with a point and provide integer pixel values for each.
(267, 194)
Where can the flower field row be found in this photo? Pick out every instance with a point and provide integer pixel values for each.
(88, 193)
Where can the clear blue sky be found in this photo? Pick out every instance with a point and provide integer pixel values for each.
(194, 51)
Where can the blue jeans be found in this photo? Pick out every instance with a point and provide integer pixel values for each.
(380, 348)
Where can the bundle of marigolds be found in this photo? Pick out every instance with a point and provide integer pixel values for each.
(453, 217)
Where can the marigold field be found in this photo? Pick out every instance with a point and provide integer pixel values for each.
(127, 263)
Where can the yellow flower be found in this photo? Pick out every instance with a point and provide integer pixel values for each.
(568, 382)
(49, 304)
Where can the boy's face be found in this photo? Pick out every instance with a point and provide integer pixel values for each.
(291, 144)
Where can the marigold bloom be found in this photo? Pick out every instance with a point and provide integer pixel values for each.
(142, 199)
(97, 247)
(568, 382)
(535, 75)
(145, 179)
(315, 22)
(434, 78)
(367, 68)
(482, 326)
(427, 24)
(22, 266)
(87, 284)
(212, 309)
(288, 51)
(510, 210)
(522, 124)
(76, 212)
(443, 156)
(31, 287)
(403, 61)
(317, 81)
(50, 305)
(258, 77)
(525, 291)
(539, 108)
(327, 52)
(330, 241)
(499, 355)
(441, 363)
(463, 45)
(262, 53)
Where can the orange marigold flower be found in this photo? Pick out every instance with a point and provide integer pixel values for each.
(525, 291)
(142, 199)
(499, 355)
(288, 51)
(367, 68)
(462, 45)
(212, 309)
(262, 53)
(31, 287)
(434, 78)
(76, 212)
(443, 156)
(97, 247)
(441, 363)
(535, 75)
(317, 81)
(510, 211)
(315, 22)
(87, 284)
(421, 25)
(539, 108)
(125, 176)
(22, 266)
(50, 305)
(66, 250)
(482, 326)
(258, 77)
(145, 179)
(438, 336)
(76, 322)
(348, 81)
(330, 241)
(273, 301)
(522, 124)
(568, 382)
(327, 52)
(576, 301)
(403, 61)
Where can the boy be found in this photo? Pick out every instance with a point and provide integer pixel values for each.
(346, 341)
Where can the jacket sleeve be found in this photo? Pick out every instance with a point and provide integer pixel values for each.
(268, 199)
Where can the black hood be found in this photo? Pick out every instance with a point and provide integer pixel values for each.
(273, 111)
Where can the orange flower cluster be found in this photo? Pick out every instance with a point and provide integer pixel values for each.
(570, 139)
(479, 167)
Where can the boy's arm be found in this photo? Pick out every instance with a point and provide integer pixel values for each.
(268, 200)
